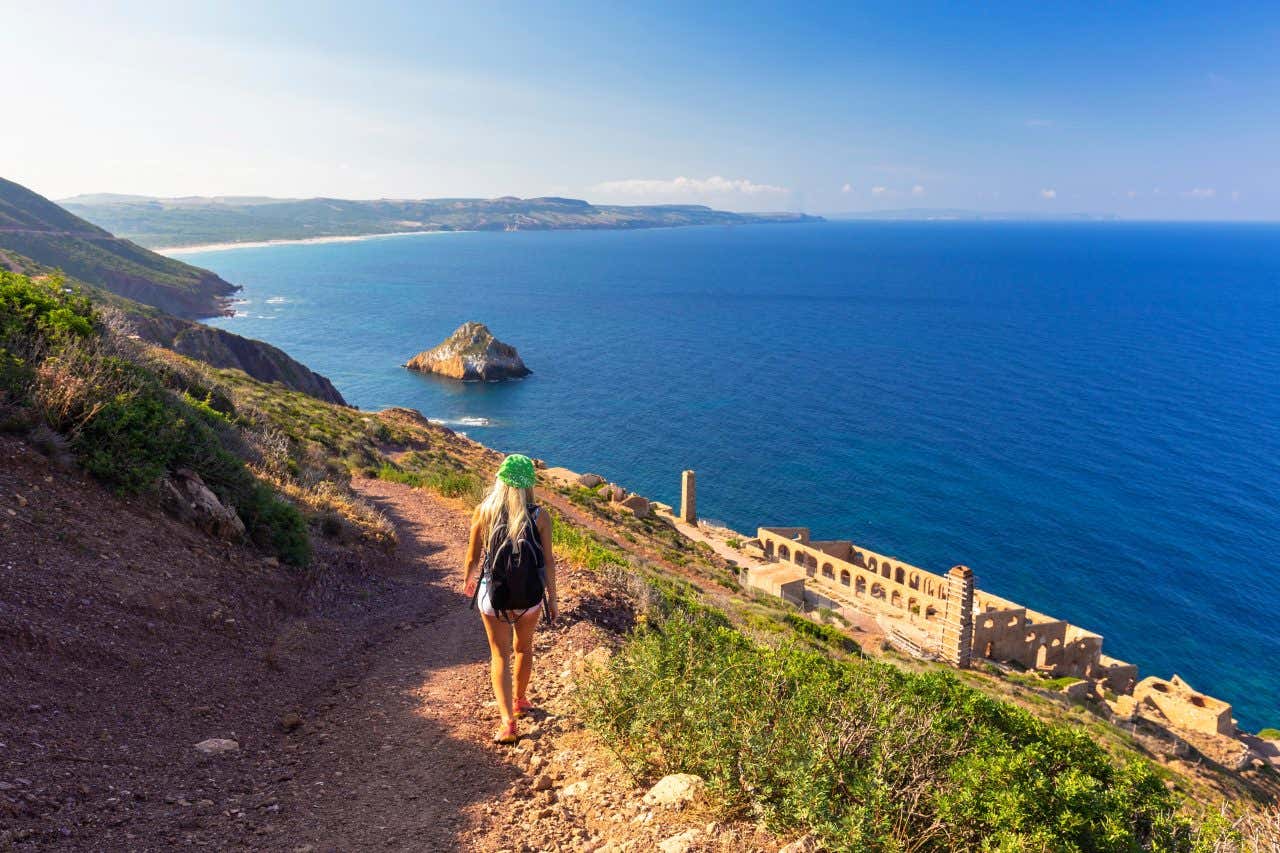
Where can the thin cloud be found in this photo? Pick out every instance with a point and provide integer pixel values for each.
(879, 190)
(1201, 192)
(847, 188)
(1049, 193)
(714, 185)
(917, 190)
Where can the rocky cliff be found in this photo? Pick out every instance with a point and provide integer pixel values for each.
(221, 348)
(471, 353)
(35, 227)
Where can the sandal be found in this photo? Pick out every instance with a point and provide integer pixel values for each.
(523, 707)
(506, 734)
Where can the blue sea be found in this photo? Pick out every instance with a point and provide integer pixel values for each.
(1088, 414)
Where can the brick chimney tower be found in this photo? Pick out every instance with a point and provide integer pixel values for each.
(689, 498)
(957, 623)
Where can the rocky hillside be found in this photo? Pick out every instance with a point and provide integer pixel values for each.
(170, 222)
(150, 321)
(471, 354)
(33, 226)
(220, 348)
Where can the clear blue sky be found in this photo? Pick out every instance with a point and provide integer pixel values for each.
(1154, 110)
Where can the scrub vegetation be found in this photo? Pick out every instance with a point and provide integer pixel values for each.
(87, 392)
(866, 755)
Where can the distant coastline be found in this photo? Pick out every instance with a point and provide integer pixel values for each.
(230, 222)
(258, 244)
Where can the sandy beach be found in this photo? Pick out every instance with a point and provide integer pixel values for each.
(256, 244)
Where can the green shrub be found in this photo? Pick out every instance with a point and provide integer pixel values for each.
(131, 441)
(134, 439)
(1269, 734)
(821, 634)
(445, 480)
(866, 756)
(34, 312)
(575, 545)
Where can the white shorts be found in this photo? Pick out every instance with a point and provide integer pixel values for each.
(485, 606)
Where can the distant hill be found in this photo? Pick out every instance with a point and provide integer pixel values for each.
(929, 214)
(33, 226)
(90, 258)
(174, 222)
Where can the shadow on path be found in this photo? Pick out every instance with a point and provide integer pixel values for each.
(392, 758)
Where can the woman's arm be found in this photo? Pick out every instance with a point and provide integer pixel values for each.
(549, 556)
(470, 577)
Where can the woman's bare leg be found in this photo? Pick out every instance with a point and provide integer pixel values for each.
(499, 633)
(525, 627)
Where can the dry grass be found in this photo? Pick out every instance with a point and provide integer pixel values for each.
(329, 498)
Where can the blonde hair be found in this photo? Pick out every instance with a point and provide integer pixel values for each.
(504, 503)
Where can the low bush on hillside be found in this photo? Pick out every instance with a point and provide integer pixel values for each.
(423, 471)
(575, 545)
(822, 635)
(123, 425)
(866, 756)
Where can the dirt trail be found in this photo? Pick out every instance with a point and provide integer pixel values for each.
(131, 638)
(392, 759)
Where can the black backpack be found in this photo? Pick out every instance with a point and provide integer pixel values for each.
(515, 569)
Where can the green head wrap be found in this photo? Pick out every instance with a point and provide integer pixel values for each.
(517, 471)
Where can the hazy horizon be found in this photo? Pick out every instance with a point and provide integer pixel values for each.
(1164, 113)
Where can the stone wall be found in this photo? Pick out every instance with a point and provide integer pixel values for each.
(1001, 630)
(1184, 707)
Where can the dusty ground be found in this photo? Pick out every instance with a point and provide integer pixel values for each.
(358, 693)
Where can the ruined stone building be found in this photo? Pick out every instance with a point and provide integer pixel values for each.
(950, 618)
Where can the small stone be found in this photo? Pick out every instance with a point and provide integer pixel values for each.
(217, 746)
(678, 789)
(679, 843)
(542, 782)
(576, 789)
(590, 481)
(291, 721)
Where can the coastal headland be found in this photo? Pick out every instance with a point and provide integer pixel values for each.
(207, 224)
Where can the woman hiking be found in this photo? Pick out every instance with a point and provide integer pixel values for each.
(510, 576)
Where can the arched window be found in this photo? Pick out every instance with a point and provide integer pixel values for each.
(877, 591)
(828, 571)
(860, 586)
(885, 570)
(844, 576)
(783, 552)
(914, 583)
(899, 576)
(896, 599)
